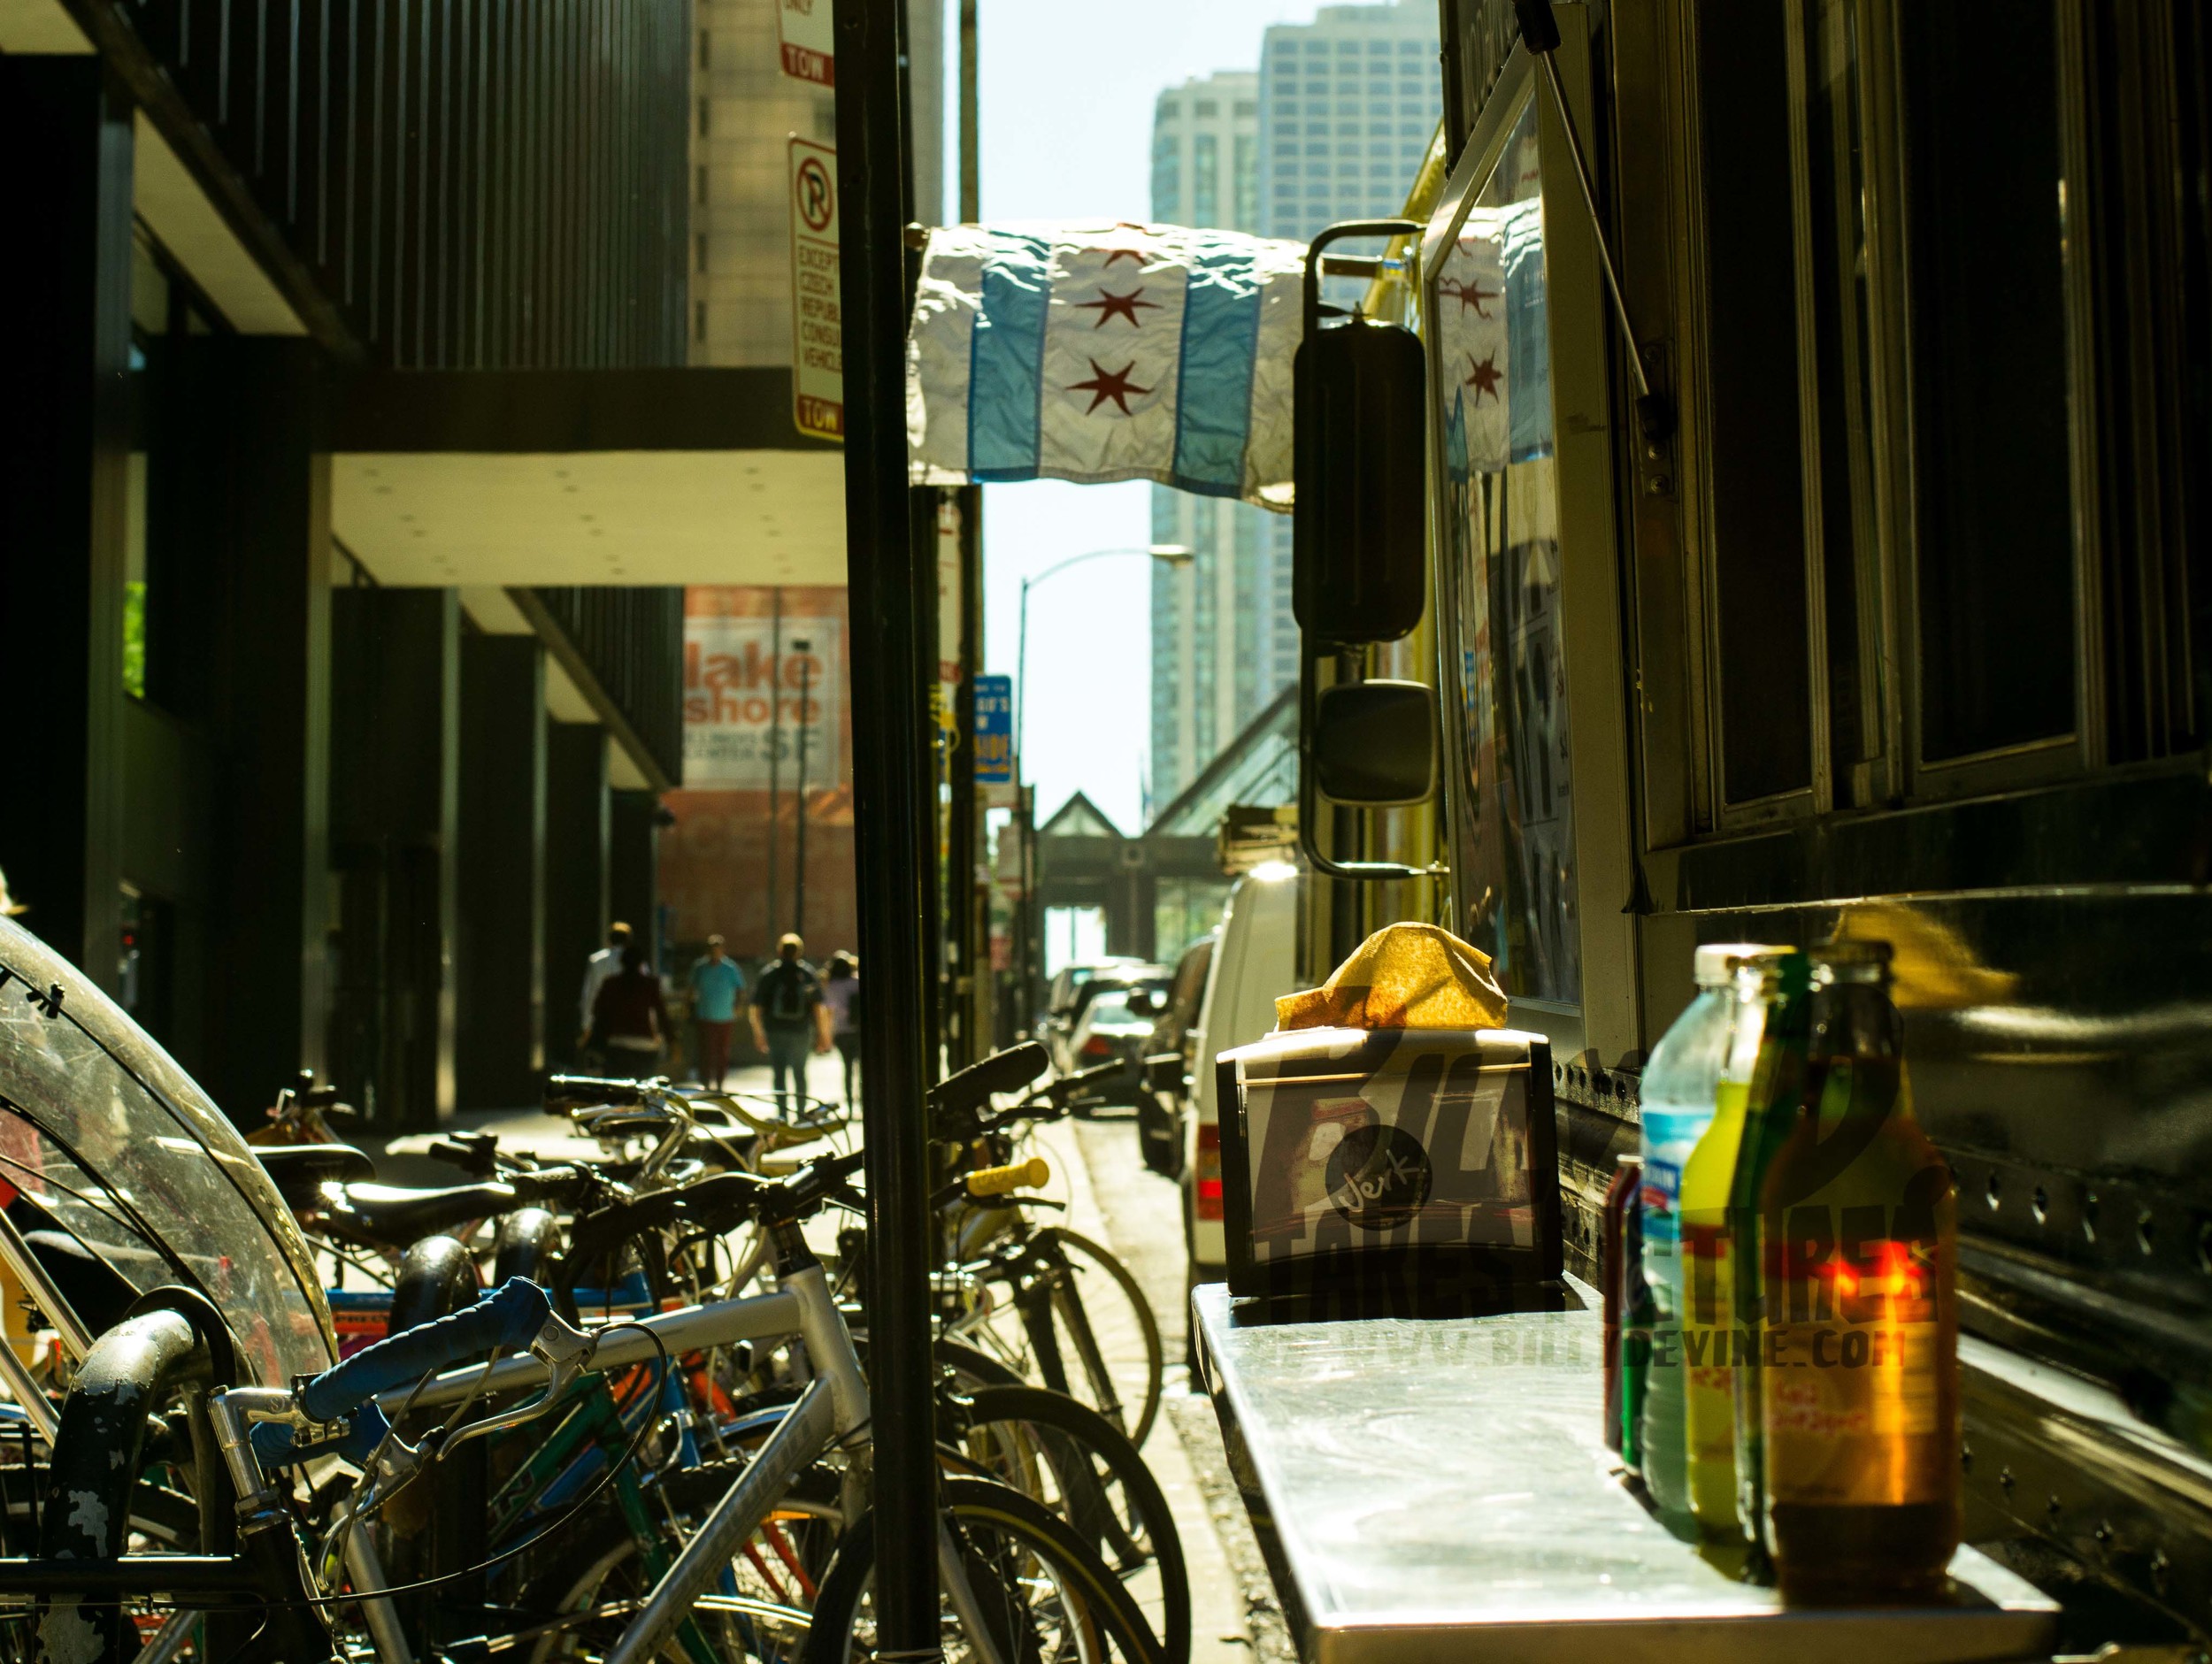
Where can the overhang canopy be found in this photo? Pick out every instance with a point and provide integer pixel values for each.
(620, 477)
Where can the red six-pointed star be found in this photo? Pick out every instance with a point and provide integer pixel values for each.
(1469, 295)
(1124, 252)
(1109, 384)
(1109, 303)
(1484, 378)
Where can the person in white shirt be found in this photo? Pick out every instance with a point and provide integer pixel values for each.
(597, 969)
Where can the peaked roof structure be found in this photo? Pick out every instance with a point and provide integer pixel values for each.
(1080, 817)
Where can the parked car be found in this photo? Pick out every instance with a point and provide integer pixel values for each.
(1070, 991)
(1165, 1098)
(1256, 959)
(1115, 1028)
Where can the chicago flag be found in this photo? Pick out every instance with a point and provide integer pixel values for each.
(1104, 352)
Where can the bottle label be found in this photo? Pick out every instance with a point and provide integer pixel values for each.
(1660, 1199)
(1854, 1412)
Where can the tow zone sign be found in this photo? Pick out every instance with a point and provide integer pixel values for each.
(818, 358)
(809, 39)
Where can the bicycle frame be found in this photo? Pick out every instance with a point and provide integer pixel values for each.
(832, 1414)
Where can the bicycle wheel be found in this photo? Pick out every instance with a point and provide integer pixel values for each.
(762, 1610)
(1043, 1595)
(1081, 1325)
(1078, 1464)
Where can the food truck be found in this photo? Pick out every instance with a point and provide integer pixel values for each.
(1809, 399)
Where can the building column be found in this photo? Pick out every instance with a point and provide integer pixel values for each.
(394, 791)
(500, 1034)
(577, 814)
(239, 650)
(63, 482)
(633, 865)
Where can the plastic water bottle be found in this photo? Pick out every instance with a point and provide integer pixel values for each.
(1679, 1082)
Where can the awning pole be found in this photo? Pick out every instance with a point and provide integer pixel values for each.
(893, 814)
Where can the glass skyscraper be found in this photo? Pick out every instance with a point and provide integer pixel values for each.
(1333, 128)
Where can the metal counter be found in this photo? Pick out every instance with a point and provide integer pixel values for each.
(1432, 1489)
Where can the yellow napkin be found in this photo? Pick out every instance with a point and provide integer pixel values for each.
(1402, 976)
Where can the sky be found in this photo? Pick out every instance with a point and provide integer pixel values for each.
(1066, 95)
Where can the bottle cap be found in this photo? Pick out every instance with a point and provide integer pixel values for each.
(1716, 963)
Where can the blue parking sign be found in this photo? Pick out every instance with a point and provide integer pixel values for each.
(995, 731)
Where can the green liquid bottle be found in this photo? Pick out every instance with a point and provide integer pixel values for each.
(1771, 1113)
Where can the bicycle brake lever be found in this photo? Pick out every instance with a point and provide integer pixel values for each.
(566, 1352)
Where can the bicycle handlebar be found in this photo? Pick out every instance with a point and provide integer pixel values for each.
(511, 1317)
(997, 1181)
(563, 1092)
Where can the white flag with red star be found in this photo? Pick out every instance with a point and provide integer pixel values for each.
(1105, 352)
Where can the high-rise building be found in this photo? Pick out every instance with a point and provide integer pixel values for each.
(1333, 128)
(1205, 172)
(1347, 105)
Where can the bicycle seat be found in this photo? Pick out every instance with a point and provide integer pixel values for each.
(301, 1170)
(392, 1213)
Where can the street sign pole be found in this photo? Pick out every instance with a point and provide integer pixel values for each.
(894, 774)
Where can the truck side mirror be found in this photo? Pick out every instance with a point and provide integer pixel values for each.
(1374, 743)
(1357, 539)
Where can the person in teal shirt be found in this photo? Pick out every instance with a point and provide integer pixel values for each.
(716, 982)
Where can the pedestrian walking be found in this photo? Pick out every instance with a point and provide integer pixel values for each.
(840, 992)
(716, 982)
(604, 963)
(629, 1023)
(790, 1020)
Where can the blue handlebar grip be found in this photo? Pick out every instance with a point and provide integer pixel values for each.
(510, 1316)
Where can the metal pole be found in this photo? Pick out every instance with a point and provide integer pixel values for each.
(798, 796)
(1021, 687)
(971, 176)
(894, 813)
(775, 752)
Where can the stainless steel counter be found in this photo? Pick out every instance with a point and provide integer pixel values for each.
(1436, 1489)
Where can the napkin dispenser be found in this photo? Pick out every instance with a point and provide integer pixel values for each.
(1394, 1169)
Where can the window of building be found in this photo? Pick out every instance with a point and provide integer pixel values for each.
(1246, 165)
(1206, 180)
(1167, 176)
(1246, 110)
(1170, 110)
(1206, 109)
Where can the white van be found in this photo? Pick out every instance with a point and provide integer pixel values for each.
(1256, 959)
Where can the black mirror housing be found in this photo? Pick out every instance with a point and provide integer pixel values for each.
(1358, 547)
(1374, 743)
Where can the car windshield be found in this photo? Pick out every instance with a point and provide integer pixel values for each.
(108, 1140)
(1110, 1008)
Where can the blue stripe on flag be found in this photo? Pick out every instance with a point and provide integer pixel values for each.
(1221, 328)
(1006, 358)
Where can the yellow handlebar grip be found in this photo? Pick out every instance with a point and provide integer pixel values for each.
(996, 1181)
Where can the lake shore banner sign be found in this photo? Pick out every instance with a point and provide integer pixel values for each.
(745, 702)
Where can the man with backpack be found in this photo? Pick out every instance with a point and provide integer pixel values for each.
(789, 1019)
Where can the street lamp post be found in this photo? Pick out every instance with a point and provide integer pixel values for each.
(1169, 554)
(798, 879)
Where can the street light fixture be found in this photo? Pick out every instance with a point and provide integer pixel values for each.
(1167, 554)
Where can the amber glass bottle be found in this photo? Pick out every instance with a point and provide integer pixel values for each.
(1858, 1231)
